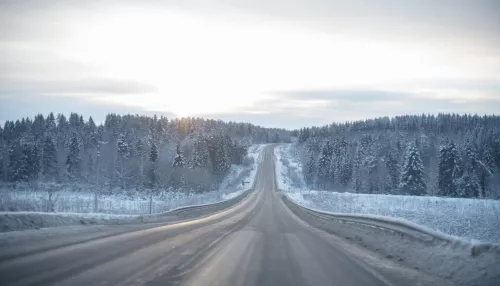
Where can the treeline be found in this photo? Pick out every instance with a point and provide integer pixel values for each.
(446, 155)
(126, 152)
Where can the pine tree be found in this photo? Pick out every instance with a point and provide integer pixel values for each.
(122, 148)
(371, 165)
(73, 159)
(198, 152)
(153, 157)
(310, 171)
(140, 157)
(34, 162)
(18, 163)
(357, 170)
(50, 124)
(90, 167)
(178, 159)
(487, 167)
(412, 179)
(393, 169)
(219, 155)
(324, 163)
(345, 171)
(471, 187)
(458, 174)
(449, 172)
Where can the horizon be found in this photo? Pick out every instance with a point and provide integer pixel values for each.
(101, 121)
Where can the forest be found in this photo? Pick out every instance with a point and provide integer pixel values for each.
(441, 155)
(125, 152)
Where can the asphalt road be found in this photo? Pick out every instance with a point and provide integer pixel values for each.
(257, 242)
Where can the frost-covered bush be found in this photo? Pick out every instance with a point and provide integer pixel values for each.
(248, 161)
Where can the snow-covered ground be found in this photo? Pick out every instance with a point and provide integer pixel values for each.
(232, 184)
(130, 202)
(467, 218)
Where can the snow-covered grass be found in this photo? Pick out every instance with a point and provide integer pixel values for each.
(467, 218)
(128, 202)
(132, 203)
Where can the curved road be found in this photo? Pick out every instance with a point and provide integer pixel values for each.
(257, 242)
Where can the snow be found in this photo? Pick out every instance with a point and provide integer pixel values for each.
(472, 219)
(129, 202)
(459, 262)
(232, 185)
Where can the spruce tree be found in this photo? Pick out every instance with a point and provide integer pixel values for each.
(393, 169)
(357, 170)
(471, 187)
(153, 157)
(412, 179)
(122, 146)
(18, 163)
(345, 171)
(487, 167)
(178, 159)
(50, 124)
(449, 171)
(324, 164)
(34, 162)
(310, 171)
(73, 159)
(122, 149)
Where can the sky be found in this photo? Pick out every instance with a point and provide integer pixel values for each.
(275, 63)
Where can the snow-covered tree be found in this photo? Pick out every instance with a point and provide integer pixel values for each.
(73, 159)
(357, 170)
(412, 178)
(324, 164)
(34, 162)
(18, 163)
(310, 170)
(201, 156)
(450, 170)
(123, 152)
(393, 169)
(178, 159)
(153, 157)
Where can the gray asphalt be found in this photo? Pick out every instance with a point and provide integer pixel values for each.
(257, 242)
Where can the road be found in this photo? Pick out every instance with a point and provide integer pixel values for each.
(257, 242)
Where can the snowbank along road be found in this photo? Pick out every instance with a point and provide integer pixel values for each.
(256, 242)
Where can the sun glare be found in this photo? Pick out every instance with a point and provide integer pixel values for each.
(205, 65)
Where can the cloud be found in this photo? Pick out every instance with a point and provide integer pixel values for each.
(411, 20)
(90, 87)
(354, 95)
(26, 71)
(320, 107)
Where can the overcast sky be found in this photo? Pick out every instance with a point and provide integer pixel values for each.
(276, 63)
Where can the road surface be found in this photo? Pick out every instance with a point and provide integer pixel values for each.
(257, 242)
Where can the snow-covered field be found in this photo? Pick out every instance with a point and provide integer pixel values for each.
(467, 218)
(129, 202)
